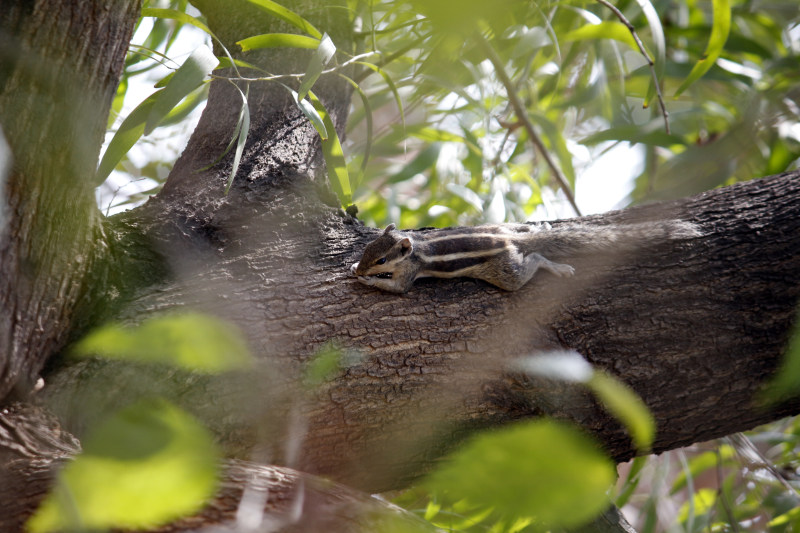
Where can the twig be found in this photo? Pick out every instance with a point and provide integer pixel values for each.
(522, 115)
(277, 77)
(647, 58)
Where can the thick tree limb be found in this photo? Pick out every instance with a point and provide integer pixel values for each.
(695, 327)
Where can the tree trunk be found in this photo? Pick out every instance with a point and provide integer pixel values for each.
(60, 66)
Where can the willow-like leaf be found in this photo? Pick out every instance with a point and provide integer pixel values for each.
(278, 40)
(287, 15)
(338, 176)
(719, 34)
(321, 56)
(186, 79)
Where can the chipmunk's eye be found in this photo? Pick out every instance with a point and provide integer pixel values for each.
(380, 261)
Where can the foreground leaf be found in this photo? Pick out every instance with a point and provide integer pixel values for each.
(543, 469)
(192, 341)
(148, 465)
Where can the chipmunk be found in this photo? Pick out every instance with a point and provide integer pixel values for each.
(505, 255)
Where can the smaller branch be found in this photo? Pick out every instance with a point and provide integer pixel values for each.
(522, 115)
(278, 77)
(647, 58)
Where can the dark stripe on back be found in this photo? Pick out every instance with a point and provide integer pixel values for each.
(471, 243)
(457, 264)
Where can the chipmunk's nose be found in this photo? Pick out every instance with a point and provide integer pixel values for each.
(353, 268)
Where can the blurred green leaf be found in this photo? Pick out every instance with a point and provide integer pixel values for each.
(287, 15)
(191, 341)
(786, 382)
(635, 134)
(147, 465)
(719, 34)
(390, 84)
(788, 518)
(700, 464)
(700, 503)
(603, 30)
(627, 407)
(324, 365)
(543, 469)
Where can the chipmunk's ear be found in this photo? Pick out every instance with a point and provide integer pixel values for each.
(406, 244)
(390, 227)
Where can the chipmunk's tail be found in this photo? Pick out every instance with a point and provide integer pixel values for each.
(575, 238)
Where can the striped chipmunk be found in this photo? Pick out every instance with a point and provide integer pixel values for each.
(505, 255)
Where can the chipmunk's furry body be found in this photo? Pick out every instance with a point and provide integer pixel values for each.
(505, 255)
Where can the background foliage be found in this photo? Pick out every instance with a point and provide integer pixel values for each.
(471, 111)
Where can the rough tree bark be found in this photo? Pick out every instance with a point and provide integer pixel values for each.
(694, 326)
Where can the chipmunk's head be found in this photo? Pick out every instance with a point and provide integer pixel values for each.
(381, 256)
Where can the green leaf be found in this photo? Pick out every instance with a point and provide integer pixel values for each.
(311, 114)
(627, 407)
(277, 40)
(324, 365)
(192, 341)
(186, 79)
(425, 160)
(632, 481)
(189, 104)
(173, 14)
(430, 134)
(700, 464)
(392, 87)
(128, 133)
(635, 134)
(241, 133)
(603, 30)
(787, 518)
(786, 383)
(700, 503)
(322, 55)
(119, 99)
(149, 464)
(335, 162)
(368, 116)
(466, 194)
(287, 15)
(225, 62)
(719, 34)
(543, 469)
